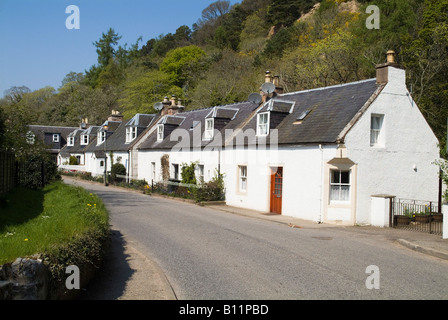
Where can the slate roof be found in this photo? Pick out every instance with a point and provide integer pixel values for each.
(318, 115)
(77, 147)
(45, 134)
(190, 122)
(116, 140)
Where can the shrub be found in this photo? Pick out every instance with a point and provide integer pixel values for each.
(117, 169)
(73, 161)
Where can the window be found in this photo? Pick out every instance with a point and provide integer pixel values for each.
(101, 137)
(376, 136)
(131, 133)
(160, 132)
(201, 173)
(30, 137)
(175, 171)
(340, 185)
(84, 139)
(153, 170)
(55, 137)
(262, 124)
(102, 163)
(209, 128)
(71, 141)
(242, 178)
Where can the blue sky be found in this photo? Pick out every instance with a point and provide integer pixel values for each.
(37, 50)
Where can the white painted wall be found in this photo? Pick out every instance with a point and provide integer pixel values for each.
(209, 159)
(302, 179)
(409, 143)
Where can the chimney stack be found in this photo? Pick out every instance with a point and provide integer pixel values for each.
(383, 70)
(175, 108)
(278, 88)
(166, 104)
(115, 116)
(267, 77)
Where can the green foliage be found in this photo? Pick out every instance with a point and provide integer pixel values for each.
(188, 173)
(73, 161)
(223, 57)
(45, 221)
(117, 169)
(181, 63)
(213, 190)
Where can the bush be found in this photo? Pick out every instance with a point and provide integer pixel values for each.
(73, 161)
(117, 169)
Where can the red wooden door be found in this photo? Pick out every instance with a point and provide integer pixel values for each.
(276, 190)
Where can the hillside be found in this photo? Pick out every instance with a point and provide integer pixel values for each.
(222, 58)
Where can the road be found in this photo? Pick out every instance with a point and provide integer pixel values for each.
(209, 254)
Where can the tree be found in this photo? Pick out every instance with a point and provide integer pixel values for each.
(215, 10)
(181, 63)
(15, 94)
(105, 47)
(142, 89)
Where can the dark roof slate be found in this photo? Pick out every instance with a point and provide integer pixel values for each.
(325, 112)
(190, 122)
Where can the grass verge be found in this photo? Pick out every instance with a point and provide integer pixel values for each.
(41, 221)
(60, 224)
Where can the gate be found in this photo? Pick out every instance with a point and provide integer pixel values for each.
(423, 216)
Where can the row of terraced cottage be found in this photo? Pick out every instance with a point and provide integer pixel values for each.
(318, 154)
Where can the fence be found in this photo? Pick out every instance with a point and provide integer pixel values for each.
(7, 172)
(30, 173)
(417, 215)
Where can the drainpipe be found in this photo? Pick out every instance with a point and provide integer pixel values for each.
(321, 182)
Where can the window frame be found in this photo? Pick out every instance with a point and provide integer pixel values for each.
(131, 133)
(209, 131)
(84, 139)
(71, 141)
(265, 131)
(340, 185)
(242, 178)
(101, 137)
(176, 171)
(56, 137)
(160, 133)
(201, 170)
(377, 134)
(30, 137)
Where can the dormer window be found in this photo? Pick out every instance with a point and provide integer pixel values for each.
(30, 137)
(71, 141)
(55, 137)
(131, 133)
(84, 139)
(101, 137)
(263, 124)
(160, 132)
(209, 128)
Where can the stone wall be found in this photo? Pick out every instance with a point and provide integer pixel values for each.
(24, 279)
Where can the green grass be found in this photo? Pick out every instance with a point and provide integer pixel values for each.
(38, 221)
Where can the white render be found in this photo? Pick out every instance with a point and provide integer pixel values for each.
(404, 167)
(302, 179)
(209, 159)
(401, 165)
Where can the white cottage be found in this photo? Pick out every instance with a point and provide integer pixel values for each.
(331, 149)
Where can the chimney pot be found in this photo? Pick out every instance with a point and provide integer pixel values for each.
(391, 56)
(268, 76)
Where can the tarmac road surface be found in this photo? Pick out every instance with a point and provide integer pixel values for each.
(166, 249)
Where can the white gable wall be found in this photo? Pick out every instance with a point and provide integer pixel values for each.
(404, 166)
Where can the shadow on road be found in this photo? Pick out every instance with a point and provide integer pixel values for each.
(110, 281)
